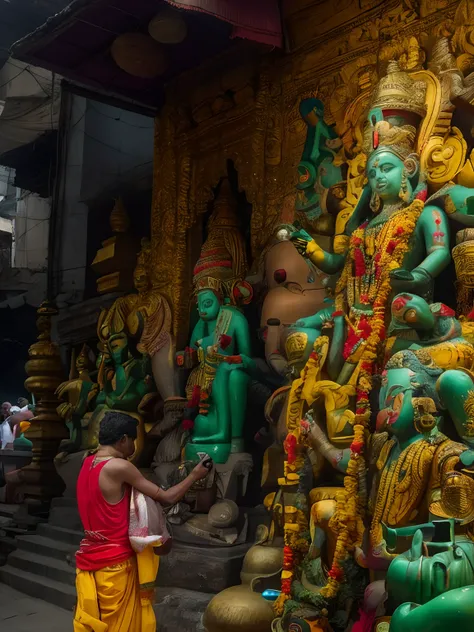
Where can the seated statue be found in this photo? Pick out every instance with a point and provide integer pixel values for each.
(80, 393)
(126, 386)
(220, 341)
(397, 244)
(145, 318)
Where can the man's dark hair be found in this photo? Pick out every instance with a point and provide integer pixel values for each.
(114, 426)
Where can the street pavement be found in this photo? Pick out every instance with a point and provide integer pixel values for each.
(20, 613)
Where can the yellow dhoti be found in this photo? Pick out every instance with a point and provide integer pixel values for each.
(118, 598)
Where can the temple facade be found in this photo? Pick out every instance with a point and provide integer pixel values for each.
(278, 272)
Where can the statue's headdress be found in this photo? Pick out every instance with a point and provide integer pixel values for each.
(396, 110)
(222, 262)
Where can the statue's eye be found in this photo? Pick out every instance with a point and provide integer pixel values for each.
(372, 173)
(386, 168)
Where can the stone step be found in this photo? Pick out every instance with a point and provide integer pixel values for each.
(46, 546)
(19, 516)
(70, 536)
(57, 570)
(180, 609)
(8, 511)
(217, 567)
(57, 593)
(64, 513)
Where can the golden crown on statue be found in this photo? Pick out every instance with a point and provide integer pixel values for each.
(398, 91)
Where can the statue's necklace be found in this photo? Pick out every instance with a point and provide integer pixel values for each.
(386, 213)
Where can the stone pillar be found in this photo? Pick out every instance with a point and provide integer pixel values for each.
(41, 482)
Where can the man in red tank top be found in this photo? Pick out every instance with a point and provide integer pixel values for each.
(107, 582)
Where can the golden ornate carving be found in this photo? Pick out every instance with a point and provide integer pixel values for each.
(261, 131)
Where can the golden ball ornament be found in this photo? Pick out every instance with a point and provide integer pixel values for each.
(236, 609)
(223, 514)
(138, 55)
(261, 560)
(168, 27)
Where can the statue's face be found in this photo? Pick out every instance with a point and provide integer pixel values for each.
(395, 401)
(385, 173)
(118, 346)
(208, 305)
(81, 362)
(140, 278)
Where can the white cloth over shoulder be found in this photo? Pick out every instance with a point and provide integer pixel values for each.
(147, 522)
(6, 434)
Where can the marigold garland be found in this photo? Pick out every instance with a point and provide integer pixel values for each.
(365, 279)
(384, 252)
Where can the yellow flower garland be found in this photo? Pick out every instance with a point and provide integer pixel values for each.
(348, 519)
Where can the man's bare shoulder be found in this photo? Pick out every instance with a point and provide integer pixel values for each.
(119, 466)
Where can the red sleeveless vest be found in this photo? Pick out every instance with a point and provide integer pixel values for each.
(106, 540)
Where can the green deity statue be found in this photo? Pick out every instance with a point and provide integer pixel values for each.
(126, 385)
(220, 341)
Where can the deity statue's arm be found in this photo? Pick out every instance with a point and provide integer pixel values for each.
(199, 333)
(338, 458)
(457, 201)
(335, 355)
(87, 392)
(328, 262)
(242, 334)
(435, 228)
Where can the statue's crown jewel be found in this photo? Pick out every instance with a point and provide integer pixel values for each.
(398, 91)
(400, 140)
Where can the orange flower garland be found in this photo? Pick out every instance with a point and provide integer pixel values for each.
(371, 257)
(388, 251)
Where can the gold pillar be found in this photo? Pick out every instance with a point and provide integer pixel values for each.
(41, 483)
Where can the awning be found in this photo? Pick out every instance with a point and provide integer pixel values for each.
(257, 20)
(30, 104)
(77, 43)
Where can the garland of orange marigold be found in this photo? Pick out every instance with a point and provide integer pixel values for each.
(391, 246)
(296, 545)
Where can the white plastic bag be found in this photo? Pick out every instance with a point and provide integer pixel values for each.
(147, 522)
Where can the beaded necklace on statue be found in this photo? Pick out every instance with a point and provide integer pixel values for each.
(375, 249)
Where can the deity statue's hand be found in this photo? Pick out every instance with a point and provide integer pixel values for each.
(417, 281)
(187, 359)
(301, 239)
(233, 363)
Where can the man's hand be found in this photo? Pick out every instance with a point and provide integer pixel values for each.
(201, 470)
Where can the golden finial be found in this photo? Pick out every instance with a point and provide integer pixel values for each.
(442, 58)
(225, 208)
(119, 219)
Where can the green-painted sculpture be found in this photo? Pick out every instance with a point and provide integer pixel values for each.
(80, 392)
(220, 341)
(396, 245)
(433, 582)
(126, 385)
(320, 169)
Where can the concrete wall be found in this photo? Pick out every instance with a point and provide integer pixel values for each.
(118, 148)
(107, 151)
(31, 230)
